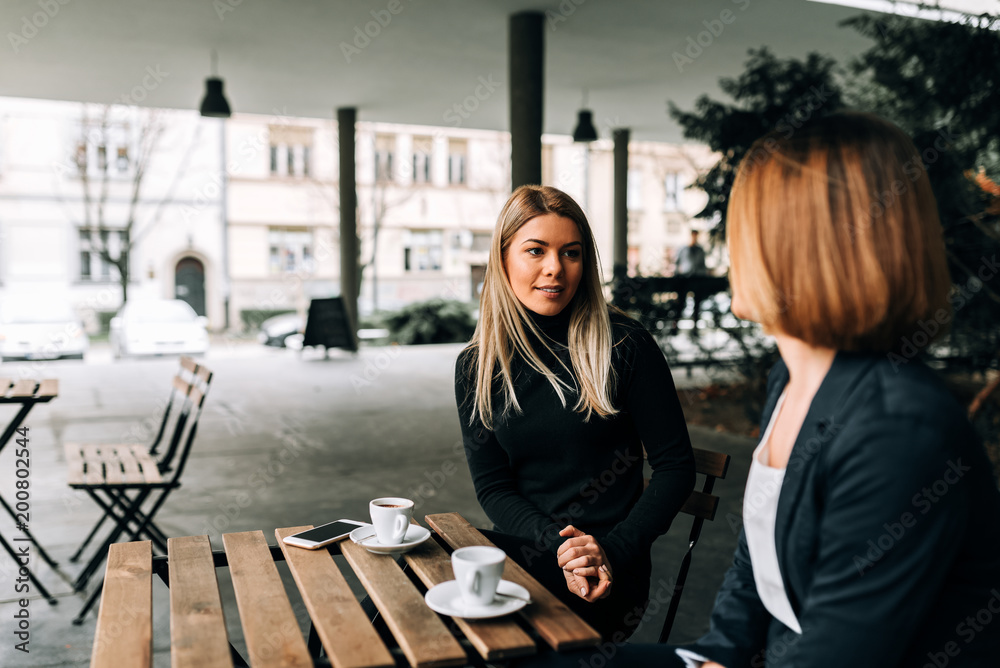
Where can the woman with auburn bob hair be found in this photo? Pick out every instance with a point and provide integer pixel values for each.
(557, 394)
(871, 519)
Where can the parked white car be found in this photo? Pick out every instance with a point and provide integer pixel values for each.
(158, 327)
(40, 329)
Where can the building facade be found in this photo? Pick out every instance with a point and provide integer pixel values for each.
(68, 190)
(259, 195)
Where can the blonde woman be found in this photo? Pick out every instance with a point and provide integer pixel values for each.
(557, 395)
(871, 518)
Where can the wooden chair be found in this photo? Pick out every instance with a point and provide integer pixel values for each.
(109, 476)
(702, 505)
(179, 390)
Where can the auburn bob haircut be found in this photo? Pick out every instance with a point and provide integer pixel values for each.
(834, 237)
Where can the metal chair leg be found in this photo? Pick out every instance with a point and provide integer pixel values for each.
(31, 576)
(152, 531)
(148, 518)
(675, 598)
(41, 551)
(137, 517)
(102, 553)
(91, 600)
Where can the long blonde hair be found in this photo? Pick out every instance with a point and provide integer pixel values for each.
(504, 322)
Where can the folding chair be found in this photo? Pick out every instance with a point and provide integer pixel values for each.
(702, 505)
(109, 475)
(178, 394)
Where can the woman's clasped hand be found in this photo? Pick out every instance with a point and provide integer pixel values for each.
(584, 565)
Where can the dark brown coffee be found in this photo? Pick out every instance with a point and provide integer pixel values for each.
(388, 505)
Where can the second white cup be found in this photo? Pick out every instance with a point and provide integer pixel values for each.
(478, 570)
(391, 518)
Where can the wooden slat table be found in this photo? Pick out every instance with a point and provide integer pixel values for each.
(413, 634)
(25, 393)
(551, 618)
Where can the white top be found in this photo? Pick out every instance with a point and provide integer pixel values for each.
(760, 508)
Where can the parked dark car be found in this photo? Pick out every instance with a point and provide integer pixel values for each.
(277, 330)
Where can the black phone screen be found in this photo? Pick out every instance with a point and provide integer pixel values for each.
(327, 531)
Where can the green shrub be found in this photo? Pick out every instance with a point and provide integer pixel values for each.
(104, 321)
(432, 321)
(373, 320)
(252, 318)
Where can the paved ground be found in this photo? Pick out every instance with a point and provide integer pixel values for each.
(288, 440)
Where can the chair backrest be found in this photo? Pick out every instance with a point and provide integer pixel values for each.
(179, 388)
(189, 365)
(701, 504)
(203, 379)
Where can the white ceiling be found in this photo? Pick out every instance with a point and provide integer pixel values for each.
(287, 55)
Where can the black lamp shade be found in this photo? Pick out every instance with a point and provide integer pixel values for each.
(214, 103)
(585, 130)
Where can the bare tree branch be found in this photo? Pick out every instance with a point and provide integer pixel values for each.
(168, 197)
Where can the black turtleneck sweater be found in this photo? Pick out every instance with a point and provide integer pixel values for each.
(546, 467)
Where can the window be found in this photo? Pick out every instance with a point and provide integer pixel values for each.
(92, 266)
(423, 250)
(289, 160)
(634, 225)
(481, 241)
(290, 250)
(457, 151)
(384, 148)
(103, 147)
(634, 194)
(672, 192)
(423, 149)
(81, 155)
(122, 160)
(290, 149)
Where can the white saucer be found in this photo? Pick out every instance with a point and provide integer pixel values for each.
(446, 598)
(365, 536)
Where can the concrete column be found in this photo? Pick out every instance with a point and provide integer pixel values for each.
(620, 245)
(526, 58)
(349, 282)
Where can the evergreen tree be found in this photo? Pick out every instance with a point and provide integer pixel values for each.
(770, 94)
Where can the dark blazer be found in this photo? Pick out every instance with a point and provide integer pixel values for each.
(887, 533)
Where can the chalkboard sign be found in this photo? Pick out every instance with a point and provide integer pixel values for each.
(328, 325)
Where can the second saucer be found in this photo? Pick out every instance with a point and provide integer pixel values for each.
(366, 537)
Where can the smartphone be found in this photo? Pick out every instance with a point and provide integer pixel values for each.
(322, 536)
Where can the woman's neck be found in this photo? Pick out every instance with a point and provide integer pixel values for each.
(807, 364)
(554, 326)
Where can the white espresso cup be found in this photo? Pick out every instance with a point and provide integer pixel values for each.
(477, 571)
(391, 518)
